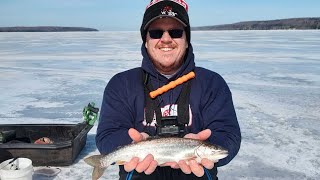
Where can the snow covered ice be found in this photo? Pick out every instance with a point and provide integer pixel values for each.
(274, 77)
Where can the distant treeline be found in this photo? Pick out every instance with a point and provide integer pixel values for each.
(44, 29)
(293, 23)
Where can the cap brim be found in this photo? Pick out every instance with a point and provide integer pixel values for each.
(162, 16)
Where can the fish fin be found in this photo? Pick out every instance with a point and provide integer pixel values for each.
(192, 157)
(93, 160)
(162, 164)
(120, 162)
(97, 172)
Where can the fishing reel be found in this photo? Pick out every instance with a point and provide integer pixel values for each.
(170, 127)
(90, 113)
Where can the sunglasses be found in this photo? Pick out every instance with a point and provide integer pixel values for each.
(157, 33)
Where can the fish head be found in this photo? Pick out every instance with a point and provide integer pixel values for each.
(211, 152)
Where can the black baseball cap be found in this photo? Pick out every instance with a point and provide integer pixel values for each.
(177, 9)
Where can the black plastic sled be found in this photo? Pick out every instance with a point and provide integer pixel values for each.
(21, 140)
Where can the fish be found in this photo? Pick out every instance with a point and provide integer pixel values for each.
(164, 149)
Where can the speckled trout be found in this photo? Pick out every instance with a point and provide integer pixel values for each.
(164, 150)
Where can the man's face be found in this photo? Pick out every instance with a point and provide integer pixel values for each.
(166, 53)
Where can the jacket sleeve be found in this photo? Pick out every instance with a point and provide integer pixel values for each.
(220, 116)
(115, 117)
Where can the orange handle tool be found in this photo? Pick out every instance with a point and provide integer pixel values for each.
(172, 84)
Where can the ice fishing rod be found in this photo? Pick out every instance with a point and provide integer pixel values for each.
(172, 84)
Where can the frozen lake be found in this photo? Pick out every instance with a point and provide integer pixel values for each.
(274, 77)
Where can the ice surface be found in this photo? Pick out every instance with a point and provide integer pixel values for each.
(274, 77)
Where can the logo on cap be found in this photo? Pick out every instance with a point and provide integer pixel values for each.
(180, 2)
(168, 11)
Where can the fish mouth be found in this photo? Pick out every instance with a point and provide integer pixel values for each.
(222, 154)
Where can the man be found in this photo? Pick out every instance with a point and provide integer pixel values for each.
(201, 108)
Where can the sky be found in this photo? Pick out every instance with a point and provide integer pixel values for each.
(127, 15)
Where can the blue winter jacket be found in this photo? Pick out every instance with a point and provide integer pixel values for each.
(210, 103)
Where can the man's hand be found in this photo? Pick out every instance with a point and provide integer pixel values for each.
(192, 166)
(148, 164)
(136, 136)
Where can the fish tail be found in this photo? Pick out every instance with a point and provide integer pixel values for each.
(95, 162)
(97, 172)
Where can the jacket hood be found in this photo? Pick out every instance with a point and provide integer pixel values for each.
(186, 67)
